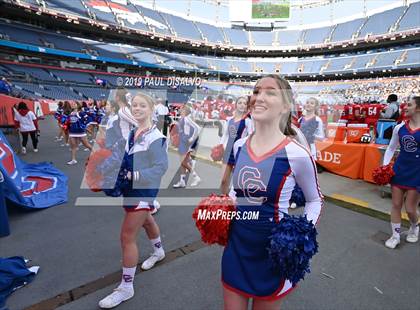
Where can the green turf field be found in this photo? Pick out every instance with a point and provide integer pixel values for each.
(272, 11)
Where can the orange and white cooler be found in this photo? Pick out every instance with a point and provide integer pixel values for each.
(336, 131)
(355, 132)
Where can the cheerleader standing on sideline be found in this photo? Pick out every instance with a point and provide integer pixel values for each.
(77, 132)
(188, 142)
(268, 165)
(67, 109)
(146, 160)
(406, 181)
(126, 122)
(238, 126)
(57, 115)
(311, 125)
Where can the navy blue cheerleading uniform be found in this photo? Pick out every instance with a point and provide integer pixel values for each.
(188, 135)
(265, 184)
(312, 129)
(234, 130)
(407, 164)
(58, 113)
(91, 115)
(147, 159)
(77, 124)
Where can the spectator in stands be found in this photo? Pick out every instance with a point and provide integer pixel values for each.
(26, 122)
(5, 87)
(392, 109)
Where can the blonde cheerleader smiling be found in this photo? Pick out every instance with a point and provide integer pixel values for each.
(144, 164)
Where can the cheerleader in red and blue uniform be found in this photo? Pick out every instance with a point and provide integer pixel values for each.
(238, 126)
(311, 124)
(188, 132)
(57, 115)
(144, 164)
(406, 181)
(267, 167)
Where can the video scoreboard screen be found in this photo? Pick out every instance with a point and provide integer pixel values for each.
(259, 10)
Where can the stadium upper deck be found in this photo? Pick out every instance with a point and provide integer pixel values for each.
(398, 22)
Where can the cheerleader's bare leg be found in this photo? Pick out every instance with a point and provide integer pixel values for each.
(266, 305)
(131, 225)
(411, 203)
(74, 142)
(85, 142)
(397, 203)
(234, 301)
(153, 233)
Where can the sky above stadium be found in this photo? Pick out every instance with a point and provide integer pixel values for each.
(319, 14)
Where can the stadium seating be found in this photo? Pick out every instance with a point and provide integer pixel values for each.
(102, 11)
(317, 35)
(289, 37)
(376, 25)
(345, 31)
(182, 27)
(263, 38)
(410, 20)
(73, 76)
(211, 33)
(237, 37)
(155, 20)
(74, 7)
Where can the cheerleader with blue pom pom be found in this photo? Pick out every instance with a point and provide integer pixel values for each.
(265, 258)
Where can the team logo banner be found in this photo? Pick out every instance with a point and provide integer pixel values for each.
(33, 186)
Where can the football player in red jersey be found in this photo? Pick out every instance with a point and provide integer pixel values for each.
(373, 113)
(355, 116)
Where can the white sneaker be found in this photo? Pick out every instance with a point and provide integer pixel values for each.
(156, 206)
(392, 242)
(119, 295)
(23, 150)
(196, 180)
(293, 205)
(72, 162)
(35, 150)
(413, 235)
(181, 183)
(152, 260)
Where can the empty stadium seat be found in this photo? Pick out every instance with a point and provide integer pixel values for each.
(263, 38)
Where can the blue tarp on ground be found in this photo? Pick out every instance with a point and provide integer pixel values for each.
(32, 186)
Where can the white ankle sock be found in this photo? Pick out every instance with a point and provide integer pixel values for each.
(396, 229)
(414, 225)
(182, 178)
(157, 245)
(128, 274)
